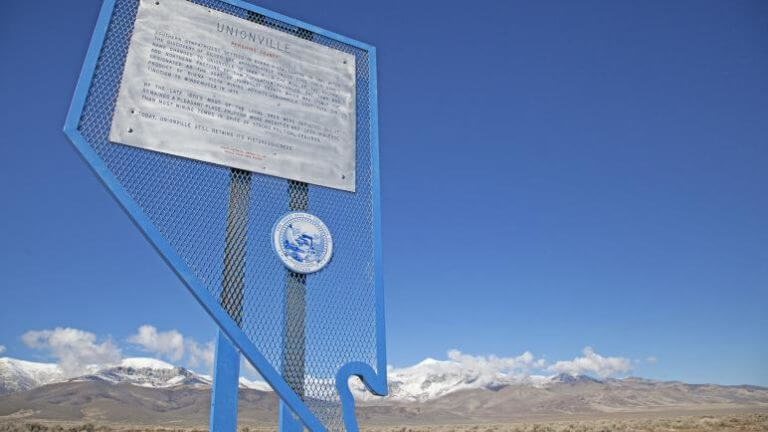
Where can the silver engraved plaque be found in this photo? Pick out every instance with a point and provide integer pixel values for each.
(206, 85)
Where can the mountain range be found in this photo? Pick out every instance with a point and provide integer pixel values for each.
(149, 391)
(20, 375)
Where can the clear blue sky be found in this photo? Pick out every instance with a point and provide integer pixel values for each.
(599, 169)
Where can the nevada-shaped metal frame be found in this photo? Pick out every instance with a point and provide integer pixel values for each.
(375, 382)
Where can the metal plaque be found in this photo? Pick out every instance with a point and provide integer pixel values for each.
(206, 85)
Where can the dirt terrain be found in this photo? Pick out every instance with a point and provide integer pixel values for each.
(728, 422)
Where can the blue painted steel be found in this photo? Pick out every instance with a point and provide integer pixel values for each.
(226, 377)
(177, 204)
(375, 382)
(287, 421)
(381, 336)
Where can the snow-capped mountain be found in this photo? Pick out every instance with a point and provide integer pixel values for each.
(19, 375)
(147, 391)
(244, 383)
(427, 380)
(253, 385)
(146, 372)
(432, 379)
(565, 378)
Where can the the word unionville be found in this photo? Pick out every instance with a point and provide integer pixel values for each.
(260, 39)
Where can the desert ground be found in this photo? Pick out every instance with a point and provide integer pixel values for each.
(738, 420)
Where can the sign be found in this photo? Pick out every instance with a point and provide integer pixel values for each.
(222, 128)
(303, 242)
(210, 86)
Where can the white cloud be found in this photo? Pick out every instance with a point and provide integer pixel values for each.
(169, 343)
(492, 365)
(200, 354)
(174, 346)
(76, 351)
(652, 360)
(2, 349)
(247, 367)
(593, 362)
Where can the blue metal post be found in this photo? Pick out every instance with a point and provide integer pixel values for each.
(226, 375)
(287, 420)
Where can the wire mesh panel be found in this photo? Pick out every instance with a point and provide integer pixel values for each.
(217, 225)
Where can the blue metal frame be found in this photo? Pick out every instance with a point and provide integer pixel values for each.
(375, 382)
(286, 419)
(226, 380)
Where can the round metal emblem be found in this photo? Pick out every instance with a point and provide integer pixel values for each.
(303, 242)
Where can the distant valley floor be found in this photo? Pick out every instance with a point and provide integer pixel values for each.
(719, 419)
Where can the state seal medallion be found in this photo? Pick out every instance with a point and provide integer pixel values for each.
(302, 242)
